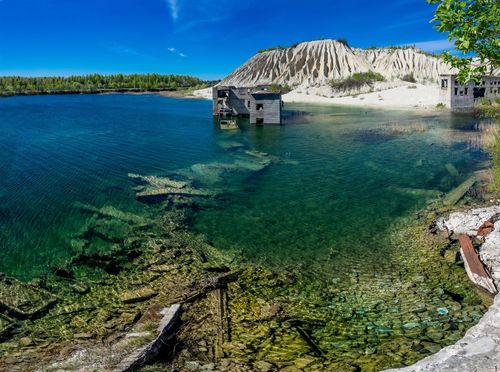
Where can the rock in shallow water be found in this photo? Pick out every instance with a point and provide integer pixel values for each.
(138, 295)
(22, 300)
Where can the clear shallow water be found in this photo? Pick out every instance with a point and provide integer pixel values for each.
(346, 175)
(318, 197)
(351, 174)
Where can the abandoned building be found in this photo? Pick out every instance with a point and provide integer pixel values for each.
(455, 95)
(259, 104)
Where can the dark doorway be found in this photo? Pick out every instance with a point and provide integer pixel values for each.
(479, 92)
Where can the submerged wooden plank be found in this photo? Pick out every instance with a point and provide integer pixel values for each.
(473, 265)
(223, 335)
(148, 352)
(454, 196)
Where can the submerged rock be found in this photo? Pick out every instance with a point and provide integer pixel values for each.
(112, 212)
(411, 325)
(138, 295)
(25, 341)
(80, 288)
(22, 300)
(159, 194)
(159, 182)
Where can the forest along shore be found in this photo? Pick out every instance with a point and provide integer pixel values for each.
(94, 84)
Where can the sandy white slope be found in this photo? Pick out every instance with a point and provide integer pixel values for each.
(423, 96)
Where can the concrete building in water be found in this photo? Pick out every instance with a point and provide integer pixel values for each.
(261, 105)
(455, 95)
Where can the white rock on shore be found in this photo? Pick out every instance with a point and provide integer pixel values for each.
(205, 93)
(467, 222)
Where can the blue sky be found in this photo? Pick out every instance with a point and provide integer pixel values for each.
(206, 38)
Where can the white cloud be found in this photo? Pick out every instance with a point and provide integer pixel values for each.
(174, 9)
(176, 52)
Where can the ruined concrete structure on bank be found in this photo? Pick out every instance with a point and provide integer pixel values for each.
(260, 104)
(455, 95)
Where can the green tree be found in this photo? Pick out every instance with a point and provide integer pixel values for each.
(474, 27)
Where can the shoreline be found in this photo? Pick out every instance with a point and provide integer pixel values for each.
(398, 98)
(479, 349)
(93, 91)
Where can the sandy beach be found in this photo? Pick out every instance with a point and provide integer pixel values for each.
(411, 96)
(408, 96)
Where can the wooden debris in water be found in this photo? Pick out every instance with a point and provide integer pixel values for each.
(150, 350)
(488, 226)
(208, 286)
(220, 300)
(454, 196)
(473, 265)
(138, 295)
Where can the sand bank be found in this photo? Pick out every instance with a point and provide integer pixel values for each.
(407, 96)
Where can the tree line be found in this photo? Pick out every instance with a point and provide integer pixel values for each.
(11, 85)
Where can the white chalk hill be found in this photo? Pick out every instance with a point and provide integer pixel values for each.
(316, 63)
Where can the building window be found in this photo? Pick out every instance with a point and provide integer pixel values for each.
(461, 92)
(456, 91)
(248, 104)
(259, 106)
(456, 82)
(484, 82)
(444, 83)
(466, 89)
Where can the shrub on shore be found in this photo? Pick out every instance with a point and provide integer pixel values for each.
(357, 80)
(489, 108)
(409, 78)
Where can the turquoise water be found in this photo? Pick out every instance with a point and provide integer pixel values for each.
(339, 176)
(55, 151)
(348, 175)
